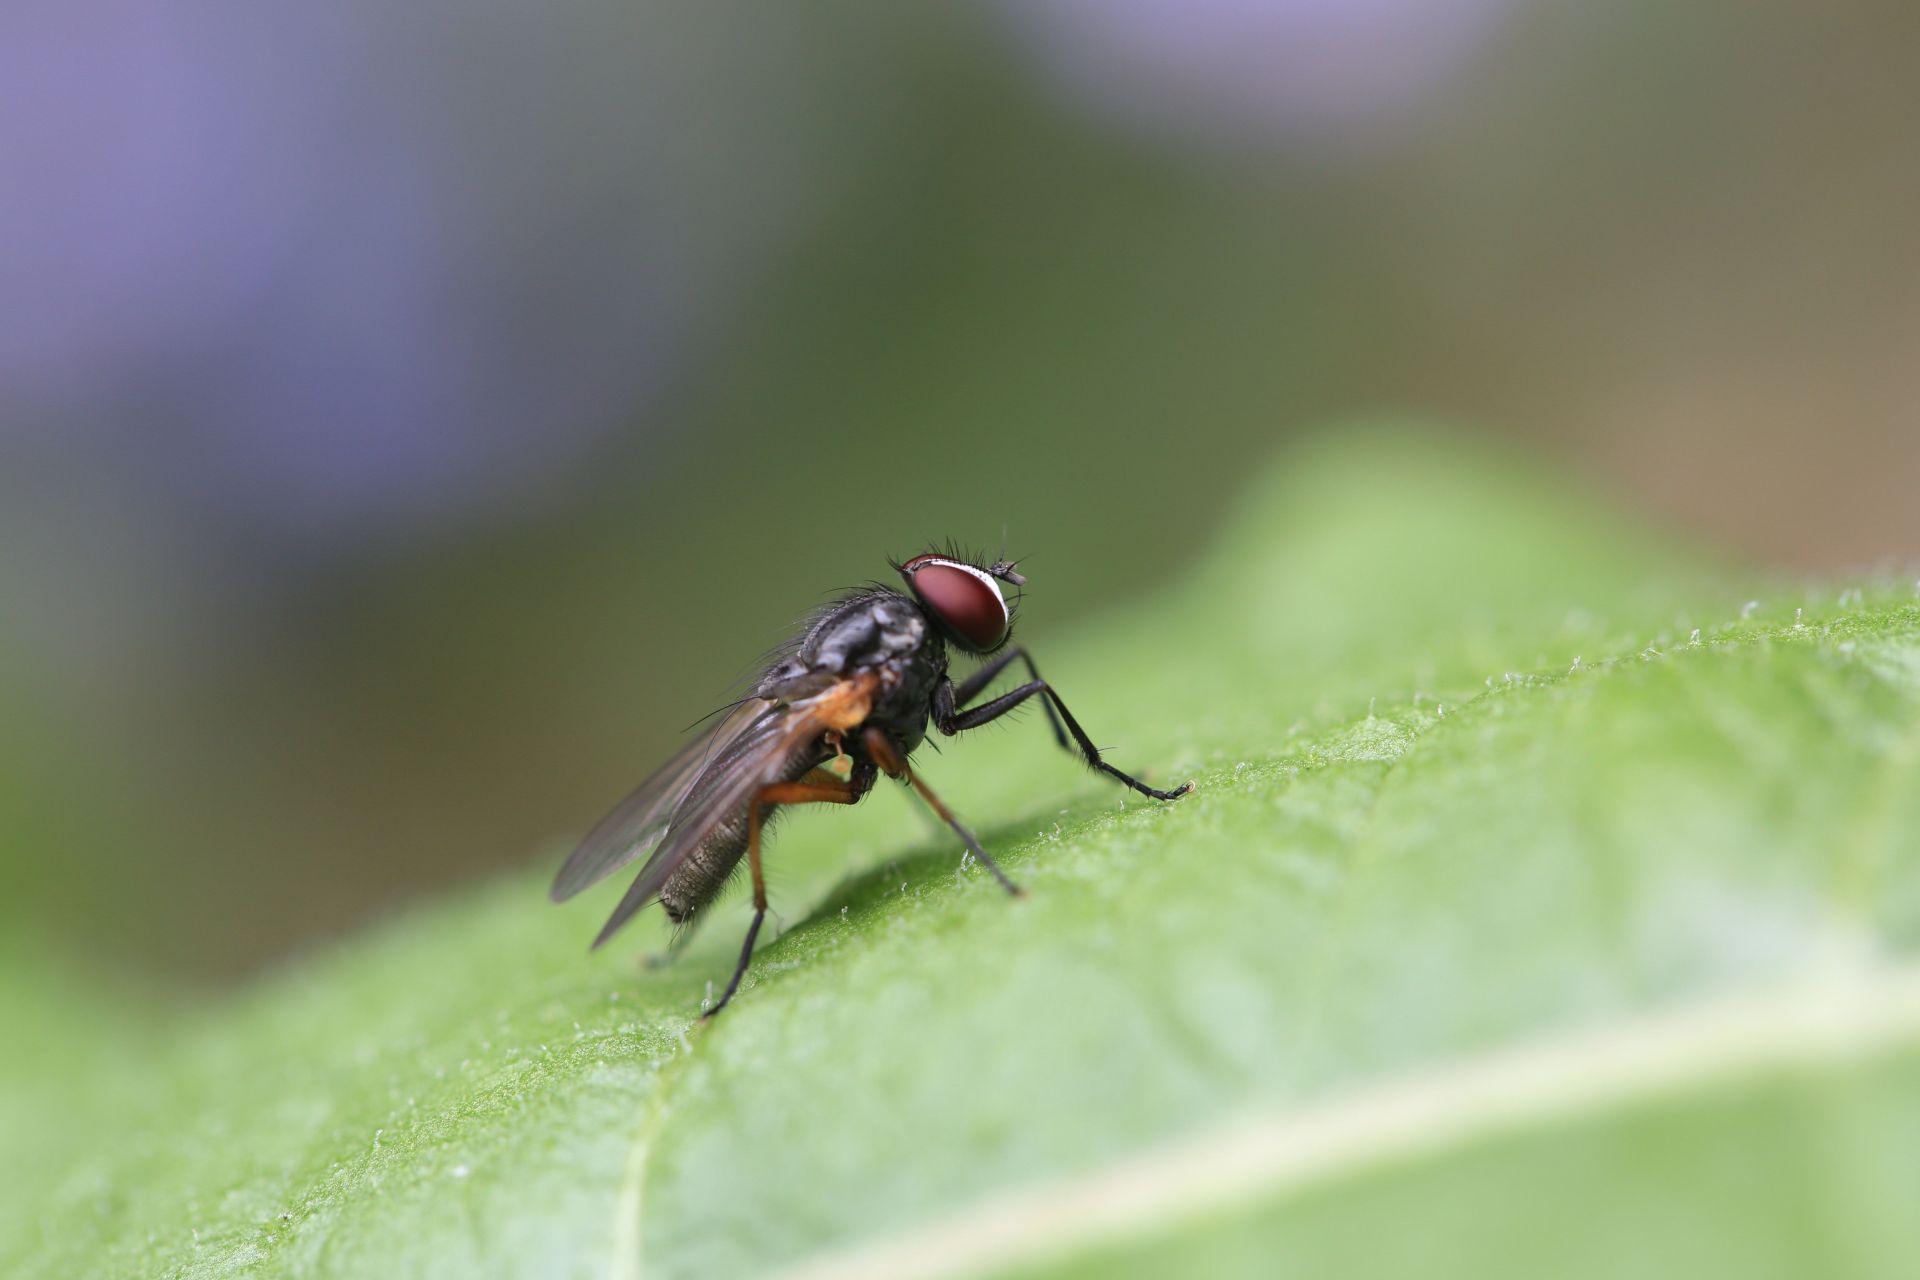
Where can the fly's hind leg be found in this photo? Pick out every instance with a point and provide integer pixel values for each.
(817, 787)
(887, 756)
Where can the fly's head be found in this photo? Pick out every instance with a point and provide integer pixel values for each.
(964, 599)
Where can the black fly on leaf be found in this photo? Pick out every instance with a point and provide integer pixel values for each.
(864, 679)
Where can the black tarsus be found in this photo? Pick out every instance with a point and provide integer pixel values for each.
(950, 719)
(979, 854)
(740, 969)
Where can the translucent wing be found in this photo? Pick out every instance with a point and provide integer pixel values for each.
(642, 818)
(782, 743)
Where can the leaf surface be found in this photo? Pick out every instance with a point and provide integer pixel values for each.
(1487, 780)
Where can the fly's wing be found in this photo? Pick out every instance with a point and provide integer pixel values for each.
(763, 753)
(642, 818)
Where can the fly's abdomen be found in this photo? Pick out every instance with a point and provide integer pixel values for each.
(697, 881)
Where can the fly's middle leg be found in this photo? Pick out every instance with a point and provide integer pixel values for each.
(894, 765)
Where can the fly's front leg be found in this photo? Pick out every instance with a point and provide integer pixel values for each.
(950, 719)
(970, 688)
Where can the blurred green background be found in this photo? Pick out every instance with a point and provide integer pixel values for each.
(413, 416)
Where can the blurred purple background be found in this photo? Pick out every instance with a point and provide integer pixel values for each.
(401, 405)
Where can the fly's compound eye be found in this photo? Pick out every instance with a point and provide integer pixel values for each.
(965, 599)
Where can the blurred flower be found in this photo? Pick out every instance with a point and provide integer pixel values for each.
(324, 271)
(1310, 72)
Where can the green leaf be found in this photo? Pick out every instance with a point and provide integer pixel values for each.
(1546, 905)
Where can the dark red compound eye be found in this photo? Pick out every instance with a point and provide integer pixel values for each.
(964, 598)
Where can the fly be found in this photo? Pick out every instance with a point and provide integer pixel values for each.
(863, 679)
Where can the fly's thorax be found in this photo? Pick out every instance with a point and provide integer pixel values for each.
(903, 628)
(861, 632)
(875, 625)
(906, 699)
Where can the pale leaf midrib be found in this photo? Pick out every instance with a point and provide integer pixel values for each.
(1267, 1155)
